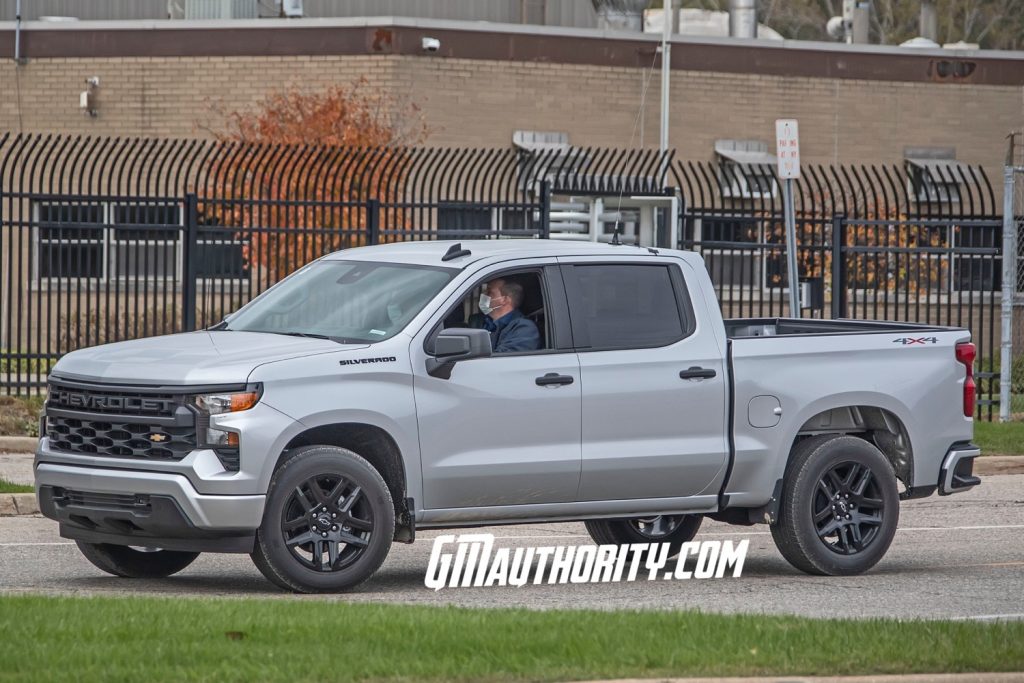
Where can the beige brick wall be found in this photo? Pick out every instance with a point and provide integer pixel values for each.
(477, 102)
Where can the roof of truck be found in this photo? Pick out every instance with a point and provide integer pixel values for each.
(431, 252)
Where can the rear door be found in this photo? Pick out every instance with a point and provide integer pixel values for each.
(654, 386)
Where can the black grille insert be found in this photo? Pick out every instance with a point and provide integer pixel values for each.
(120, 439)
(106, 501)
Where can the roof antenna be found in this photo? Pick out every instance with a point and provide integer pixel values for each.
(455, 251)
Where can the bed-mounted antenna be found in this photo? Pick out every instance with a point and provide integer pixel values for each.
(455, 251)
(615, 235)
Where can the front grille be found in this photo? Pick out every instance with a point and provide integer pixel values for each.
(120, 439)
(111, 401)
(107, 501)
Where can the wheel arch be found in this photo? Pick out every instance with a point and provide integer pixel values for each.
(878, 425)
(370, 441)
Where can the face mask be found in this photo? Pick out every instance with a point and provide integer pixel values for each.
(485, 304)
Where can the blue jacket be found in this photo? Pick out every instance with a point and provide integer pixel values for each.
(513, 332)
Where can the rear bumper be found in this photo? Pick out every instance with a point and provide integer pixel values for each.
(130, 507)
(957, 473)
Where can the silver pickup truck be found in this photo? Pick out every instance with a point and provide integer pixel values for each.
(379, 390)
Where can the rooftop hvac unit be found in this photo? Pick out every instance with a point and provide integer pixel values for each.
(221, 9)
(291, 8)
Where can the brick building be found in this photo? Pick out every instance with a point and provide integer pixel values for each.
(854, 103)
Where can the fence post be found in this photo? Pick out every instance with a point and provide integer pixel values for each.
(545, 209)
(373, 221)
(838, 266)
(189, 262)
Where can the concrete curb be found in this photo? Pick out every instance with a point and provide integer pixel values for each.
(14, 504)
(18, 444)
(999, 464)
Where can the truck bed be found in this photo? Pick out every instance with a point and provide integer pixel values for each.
(747, 328)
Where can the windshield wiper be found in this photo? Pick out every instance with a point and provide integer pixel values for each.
(312, 335)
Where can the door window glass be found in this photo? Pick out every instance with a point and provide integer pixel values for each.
(625, 306)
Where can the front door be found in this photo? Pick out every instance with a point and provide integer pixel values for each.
(503, 430)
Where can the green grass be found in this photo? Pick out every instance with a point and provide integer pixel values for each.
(11, 487)
(318, 639)
(999, 438)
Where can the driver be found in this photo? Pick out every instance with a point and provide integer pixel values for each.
(510, 329)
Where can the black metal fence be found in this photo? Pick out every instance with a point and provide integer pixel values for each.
(104, 239)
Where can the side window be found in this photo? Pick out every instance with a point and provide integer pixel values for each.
(519, 322)
(616, 306)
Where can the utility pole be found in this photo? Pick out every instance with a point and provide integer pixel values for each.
(666, 77)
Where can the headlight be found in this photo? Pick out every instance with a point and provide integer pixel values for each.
(216, 404)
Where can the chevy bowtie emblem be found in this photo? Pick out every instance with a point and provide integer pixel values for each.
(158, 437)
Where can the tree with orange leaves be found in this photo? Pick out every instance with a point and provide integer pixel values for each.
(294, 174)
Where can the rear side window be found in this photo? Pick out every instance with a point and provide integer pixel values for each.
(616, 306)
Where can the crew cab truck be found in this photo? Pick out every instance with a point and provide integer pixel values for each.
(357, 401)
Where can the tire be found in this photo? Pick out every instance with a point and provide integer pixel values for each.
(821, 534)
(129, 563)
(673, 529)
(328, 523)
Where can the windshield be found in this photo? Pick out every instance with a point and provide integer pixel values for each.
(347, 301)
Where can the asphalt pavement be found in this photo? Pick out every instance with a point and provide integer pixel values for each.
(959, 557)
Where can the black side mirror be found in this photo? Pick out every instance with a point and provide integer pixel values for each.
(457, 344)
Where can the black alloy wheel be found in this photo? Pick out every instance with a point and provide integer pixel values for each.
(327, 522)
(657, 527)
(848, 508)
(672, 529)
(840, 506)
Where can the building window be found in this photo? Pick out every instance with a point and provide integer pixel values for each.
(70, 240)
(144, 241)
(110, 242)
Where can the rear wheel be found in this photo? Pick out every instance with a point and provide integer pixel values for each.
(673, 529)
(136, 563)
(328, 524)
(840, 506)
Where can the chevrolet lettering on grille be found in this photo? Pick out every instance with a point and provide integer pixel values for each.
(94, 402)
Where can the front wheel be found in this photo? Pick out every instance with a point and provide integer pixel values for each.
(136, 563)
(673, 529)
(328, 523)
(839, 508)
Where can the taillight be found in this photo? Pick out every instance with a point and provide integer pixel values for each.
(965, 353)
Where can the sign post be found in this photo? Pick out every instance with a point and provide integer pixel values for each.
(787, 153)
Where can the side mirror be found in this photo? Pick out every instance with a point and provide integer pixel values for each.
(457, 344)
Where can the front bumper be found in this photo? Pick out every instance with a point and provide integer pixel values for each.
(957, 473)
(132, 507)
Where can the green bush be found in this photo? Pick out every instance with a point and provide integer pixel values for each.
(19, 415)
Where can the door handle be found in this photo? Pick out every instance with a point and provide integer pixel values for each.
(553, 379)
(697, 373)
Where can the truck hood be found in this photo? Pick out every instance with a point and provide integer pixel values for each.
(189, 358)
